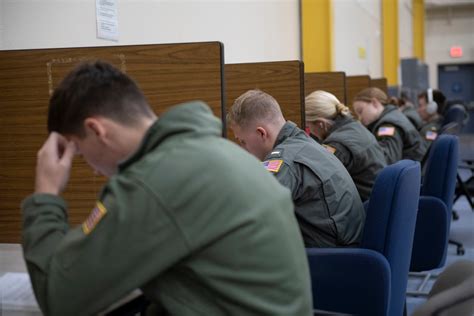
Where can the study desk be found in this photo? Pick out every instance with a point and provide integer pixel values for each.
(11, 260)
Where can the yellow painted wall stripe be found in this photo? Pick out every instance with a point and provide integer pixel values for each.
(390, 40)
(418, 8)
(317, 31)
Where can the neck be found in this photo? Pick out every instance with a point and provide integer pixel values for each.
(275, 131)
(129, 139)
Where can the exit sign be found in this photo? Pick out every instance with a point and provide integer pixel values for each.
(455, 51)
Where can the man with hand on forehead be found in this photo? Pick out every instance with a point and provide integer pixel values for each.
(181, 216)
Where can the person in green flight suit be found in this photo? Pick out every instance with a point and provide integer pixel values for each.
(429, 113)
(346, 138)
(327, 204)
(410, 111)
(398, 137)
(188, 217)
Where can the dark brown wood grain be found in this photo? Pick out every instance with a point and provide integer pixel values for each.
(380, 83)
(355, 84)
(167, 73)
(332, 82)
(283, 80)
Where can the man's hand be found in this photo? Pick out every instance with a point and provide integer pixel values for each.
(54, 164)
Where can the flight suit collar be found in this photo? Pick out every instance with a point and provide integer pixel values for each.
(187, 118)
(288, 130)
(340, 121)
(434, 119)
(387, 109)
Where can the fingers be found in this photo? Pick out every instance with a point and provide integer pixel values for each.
(50, 145)
(68, 153)
(57, 147)
(54, 164)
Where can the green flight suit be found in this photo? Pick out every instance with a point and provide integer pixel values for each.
(191, 219)
(398, 137)
(412, 114)
(429, 131)
(327, 204)
(358, 150)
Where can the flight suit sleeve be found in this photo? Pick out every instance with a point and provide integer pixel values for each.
(391, 141)
(129, 238)
(428, 135)
(341, 152)
(289, 179)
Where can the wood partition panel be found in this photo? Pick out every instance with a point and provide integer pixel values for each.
(332, 82)
(167, 73)
(380, 83)
(283, 80)
(355, 84)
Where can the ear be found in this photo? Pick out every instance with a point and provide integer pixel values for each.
(95, 126)
(377, 105)
(262, 132)
(319, 123)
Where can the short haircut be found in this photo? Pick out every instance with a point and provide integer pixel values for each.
(254, 106)
(95, 88)
(368, 94)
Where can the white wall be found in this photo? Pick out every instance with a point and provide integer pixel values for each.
(357, 24)
(445, 28)
(251, 30)
(2, 12)
(405, 28)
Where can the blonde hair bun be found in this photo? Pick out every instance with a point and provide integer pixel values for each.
(322, 104)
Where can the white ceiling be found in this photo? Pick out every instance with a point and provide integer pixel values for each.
(447, 3)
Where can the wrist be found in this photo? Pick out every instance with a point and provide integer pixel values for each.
(46, 189)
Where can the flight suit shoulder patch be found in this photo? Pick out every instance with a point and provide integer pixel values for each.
(386, 131)
(273, 165)
(330, 149)
(94, 218)
(431, 135)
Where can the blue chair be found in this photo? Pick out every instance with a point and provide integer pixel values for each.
(456, 113)
(434, 213)
(372, 279)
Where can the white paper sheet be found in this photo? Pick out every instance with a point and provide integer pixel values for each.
(16, 294)
(107, 19)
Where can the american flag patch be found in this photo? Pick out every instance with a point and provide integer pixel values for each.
(330, 149)
(273, 165)
(431, 135)
(94, 218)
(386, 131)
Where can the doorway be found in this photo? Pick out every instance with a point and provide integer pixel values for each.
(456, 81)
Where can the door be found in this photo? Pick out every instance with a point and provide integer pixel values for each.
(456, 81)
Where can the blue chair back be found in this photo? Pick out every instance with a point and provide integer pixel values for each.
(437, 195)
(441, 168)
(390, 223)
(455, 113)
